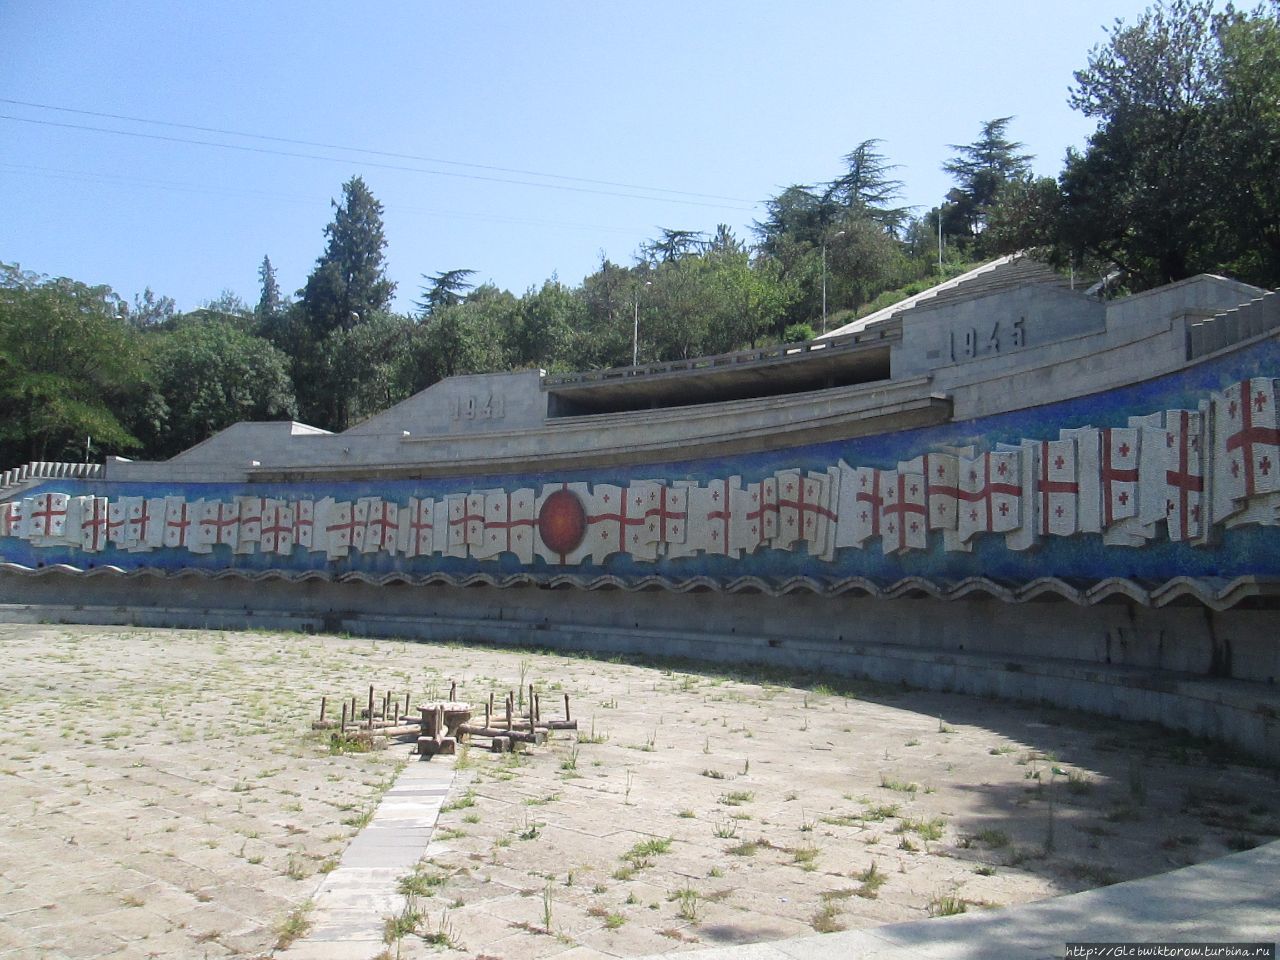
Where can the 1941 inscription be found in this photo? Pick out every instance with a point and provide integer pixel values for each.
(968, 343)
(483, 406)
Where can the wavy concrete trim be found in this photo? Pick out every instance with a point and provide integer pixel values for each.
(1215, 593)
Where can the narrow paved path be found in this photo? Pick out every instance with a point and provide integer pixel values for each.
(354, 900)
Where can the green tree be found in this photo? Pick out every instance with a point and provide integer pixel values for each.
(867, 187)
(270, 303)
(1179, 176)
(445, 289)
(71, 367)
(211, 374)
(545, 327)
(980, 170)
(349, 282)
(672, 245)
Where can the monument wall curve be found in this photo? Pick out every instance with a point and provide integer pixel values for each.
(1132, 530)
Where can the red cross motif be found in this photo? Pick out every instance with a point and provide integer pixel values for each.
(348, 526)
(872, 499)
(95, 524)
(143, 520)
(222, 521)
(1265, 465)
(303, 522)
(247, 517)
(808, 511)
(1048, 487)
(662, 513)
(767, 504)
(43, 515)
(726, 514)
(1124, 451)
(180, 524)
(1248, 434)
(1183, 480)
(273, 534)
(624, 520)
(508, 524)
(420, 522)
(114, 526)
(940, 489)
(383, 522)
(1113, 475)
(901, 508)
(989, 489)
(465, 519)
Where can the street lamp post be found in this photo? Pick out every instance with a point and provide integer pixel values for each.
(635, 328)
(824, 279)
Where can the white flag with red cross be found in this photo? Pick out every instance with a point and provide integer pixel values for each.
(725, 516)
(180, 521)
(1185, 504)
(304, 523)
(360, 511)
(94, 517)
(146, 524)
(804, 511)
(904, 515)
(456, 523)
(1246, 445)
(13, 521)
(249, 530)
(860, 509)
(415, 536)
(942, 488)
(612, 521)
(117, 523)
(990, 494)
(1118, 474)
(561, 530)
(1136, 530)
(219, 523)
(277, 528)
(508, 524)
(1057, 488)
(665, 510)
(47, 517)
(339, 528)
(381, 526)
(762, 511)
(1026, 535)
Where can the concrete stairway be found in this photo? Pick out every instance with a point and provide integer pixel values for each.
(1239, 323)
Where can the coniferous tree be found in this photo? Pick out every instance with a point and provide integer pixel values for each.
(349, 282)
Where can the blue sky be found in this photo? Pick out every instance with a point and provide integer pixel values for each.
(684, 114)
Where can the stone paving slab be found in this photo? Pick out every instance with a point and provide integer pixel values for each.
(352, 903)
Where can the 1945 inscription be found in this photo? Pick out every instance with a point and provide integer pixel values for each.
(967, 343)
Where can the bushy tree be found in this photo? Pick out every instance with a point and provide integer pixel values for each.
(981, 169)
(1179, 176)
(71, 367)
(211, 374)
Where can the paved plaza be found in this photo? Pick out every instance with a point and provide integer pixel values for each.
(162, 795)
